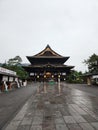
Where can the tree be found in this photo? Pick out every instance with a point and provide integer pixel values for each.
(15, 61)
(92, 63)
(75, 77)
(15, 65)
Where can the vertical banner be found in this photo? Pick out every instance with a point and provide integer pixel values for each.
(5, 78)
(11, 79)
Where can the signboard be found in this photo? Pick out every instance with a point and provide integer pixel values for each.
(31, 74)
(63, 73)
(95, 76)
(6, 71)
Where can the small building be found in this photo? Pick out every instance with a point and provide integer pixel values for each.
(47, 65)
(95, 79)
(8, 79)
(91, 78)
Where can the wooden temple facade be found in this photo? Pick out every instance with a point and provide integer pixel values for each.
(47, 65)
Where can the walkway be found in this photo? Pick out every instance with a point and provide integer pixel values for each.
(57, 107)
(13, 100)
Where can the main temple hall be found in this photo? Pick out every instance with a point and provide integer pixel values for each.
(47, 65)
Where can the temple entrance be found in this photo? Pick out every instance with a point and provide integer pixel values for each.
(49, 76)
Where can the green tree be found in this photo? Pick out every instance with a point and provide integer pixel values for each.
(15, 61)
(92, 63)
(75, 77)
(15, 65)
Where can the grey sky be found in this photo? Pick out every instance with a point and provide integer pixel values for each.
(70, 27)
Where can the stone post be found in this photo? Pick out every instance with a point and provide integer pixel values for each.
(89, 81)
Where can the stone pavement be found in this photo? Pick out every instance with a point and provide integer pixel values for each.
(57, 107)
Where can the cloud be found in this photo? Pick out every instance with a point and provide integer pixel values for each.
(70, 27)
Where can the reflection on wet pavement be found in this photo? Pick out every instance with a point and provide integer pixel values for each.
(57, 107)
(45, 88)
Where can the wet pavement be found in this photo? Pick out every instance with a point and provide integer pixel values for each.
(13, 100)
(57, 107)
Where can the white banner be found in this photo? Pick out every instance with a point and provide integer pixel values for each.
(95, 76)
(31, 74)
(5, 78)
(6, 71)
(10, 78)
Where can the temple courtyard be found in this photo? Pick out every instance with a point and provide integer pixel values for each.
(57, 106)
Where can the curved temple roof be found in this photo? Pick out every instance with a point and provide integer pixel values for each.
(47, 55)
(48, 52)
(47, 60)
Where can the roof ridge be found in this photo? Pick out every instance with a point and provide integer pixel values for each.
(48, 52)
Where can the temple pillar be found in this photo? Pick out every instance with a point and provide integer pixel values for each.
(59, 78)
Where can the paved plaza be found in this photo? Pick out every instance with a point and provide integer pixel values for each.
(57, 107)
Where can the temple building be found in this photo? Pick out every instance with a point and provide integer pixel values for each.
(47, 65)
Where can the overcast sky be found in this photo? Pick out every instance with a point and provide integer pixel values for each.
(70, 27)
